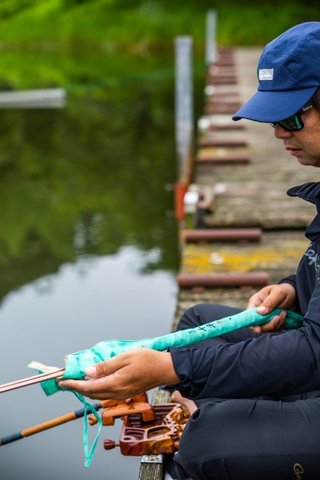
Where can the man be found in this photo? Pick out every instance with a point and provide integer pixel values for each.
(257, 392)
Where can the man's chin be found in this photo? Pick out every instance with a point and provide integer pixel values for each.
(311, 162)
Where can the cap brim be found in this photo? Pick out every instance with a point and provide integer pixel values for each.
(273, 106)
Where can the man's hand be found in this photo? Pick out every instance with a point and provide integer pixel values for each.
(270, 297)
(126, 375)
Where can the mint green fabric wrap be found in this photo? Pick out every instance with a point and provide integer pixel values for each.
(77, 363)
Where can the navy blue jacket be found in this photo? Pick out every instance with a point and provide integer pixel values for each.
(276, 364)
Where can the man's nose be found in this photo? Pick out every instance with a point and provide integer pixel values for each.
(280, 132)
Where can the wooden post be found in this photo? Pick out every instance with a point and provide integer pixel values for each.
(183, 116)
(211, 33)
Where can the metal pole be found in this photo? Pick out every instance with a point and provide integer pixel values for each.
(183, 121)
(183, 104)
(211, 34)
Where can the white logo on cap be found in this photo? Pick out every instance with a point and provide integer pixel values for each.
(266, 74)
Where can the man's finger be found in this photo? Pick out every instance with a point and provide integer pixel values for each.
(88, 387)
(103, 369)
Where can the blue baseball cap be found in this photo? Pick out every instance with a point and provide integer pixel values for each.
(289, 74)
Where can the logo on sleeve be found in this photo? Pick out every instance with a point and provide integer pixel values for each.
(313, 259)
(266, 74)
(298, 471)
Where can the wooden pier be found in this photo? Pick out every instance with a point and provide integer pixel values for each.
(243, 231)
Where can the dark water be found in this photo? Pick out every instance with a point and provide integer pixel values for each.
(88, 251)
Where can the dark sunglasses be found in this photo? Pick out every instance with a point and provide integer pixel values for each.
(294, 123)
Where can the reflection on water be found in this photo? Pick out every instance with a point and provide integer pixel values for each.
(88, 252)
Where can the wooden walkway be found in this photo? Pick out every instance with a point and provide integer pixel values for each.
(241, 230)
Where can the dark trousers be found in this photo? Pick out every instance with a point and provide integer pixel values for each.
(248, 439)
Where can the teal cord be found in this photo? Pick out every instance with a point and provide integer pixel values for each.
(88, 451)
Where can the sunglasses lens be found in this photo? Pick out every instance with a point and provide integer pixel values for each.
(291, 124)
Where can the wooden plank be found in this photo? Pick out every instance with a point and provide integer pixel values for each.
(152, 466)
(228, 126)
(222, 80)
(221, 107)
(215, 134)
(221, 235)
(219, 280)
(218, 95)
(277, 254)
(207, 122)
(225, 61)
(223, 155)
(234, 297)
(227, 141)
(216, 70)
(262, 204)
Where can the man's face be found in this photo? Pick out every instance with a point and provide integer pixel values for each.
(303, 144)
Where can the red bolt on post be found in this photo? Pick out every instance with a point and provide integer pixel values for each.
(180, 190)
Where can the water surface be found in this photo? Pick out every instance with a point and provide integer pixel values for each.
(89, 251)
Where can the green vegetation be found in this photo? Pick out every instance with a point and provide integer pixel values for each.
(139, 25)
(81, 44)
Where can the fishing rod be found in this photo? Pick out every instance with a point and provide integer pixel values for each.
(24, 382)
(77, 362)
(54, 422)
(113, 409)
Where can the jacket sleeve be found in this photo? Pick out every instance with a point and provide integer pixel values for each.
(292, 279)
(283, 363)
